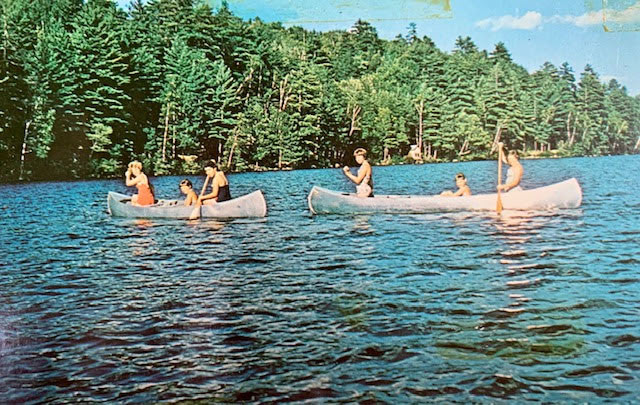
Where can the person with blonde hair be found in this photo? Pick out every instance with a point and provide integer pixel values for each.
(364, 178)
(463, 188)
(135, 177)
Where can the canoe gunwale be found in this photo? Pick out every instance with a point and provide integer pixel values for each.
(254, 204)
(563, 194)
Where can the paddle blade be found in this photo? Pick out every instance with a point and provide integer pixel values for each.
(499, 204)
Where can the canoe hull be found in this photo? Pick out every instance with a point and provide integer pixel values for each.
(250, 205)
(566, 194)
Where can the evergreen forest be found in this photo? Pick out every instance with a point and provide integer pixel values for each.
(86, 87)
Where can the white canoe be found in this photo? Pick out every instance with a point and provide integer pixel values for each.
(566, 194)
(250, 205)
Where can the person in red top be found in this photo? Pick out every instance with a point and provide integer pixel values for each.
(135, 177)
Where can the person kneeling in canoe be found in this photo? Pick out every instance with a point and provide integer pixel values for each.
(463, 188)
(364, 179)
(187, 189)
(514, 173)
(219, 185)
(135, 177)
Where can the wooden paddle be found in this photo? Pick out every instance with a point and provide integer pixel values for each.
(195, 214)
(499, 202)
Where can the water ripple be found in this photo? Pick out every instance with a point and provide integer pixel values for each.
(453, 307)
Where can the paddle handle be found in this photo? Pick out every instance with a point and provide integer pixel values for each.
(195, 214)
(499, 199)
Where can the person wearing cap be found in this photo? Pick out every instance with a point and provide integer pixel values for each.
(463, 188)
(364, 179)
(514, 173)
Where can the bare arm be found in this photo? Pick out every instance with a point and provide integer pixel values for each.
(212, 194)
(215, 187)
(132, 181)
(458, 193)
(361, 174)
(191, 198)
(462, 191)
(517, 176)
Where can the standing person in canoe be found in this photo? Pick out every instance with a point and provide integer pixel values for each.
(463, 188)
(219, 185)
(514, 173)
(135, 177)
(364, 179)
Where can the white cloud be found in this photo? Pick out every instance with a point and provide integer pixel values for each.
(529, 21)
(630, 15)
(584, 20)
(533, 19)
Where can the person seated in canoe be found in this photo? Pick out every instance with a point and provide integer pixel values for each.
(219, 185)
(514, 173)
(463, 188)
(135, 177)
(186, 187)
(364, 179)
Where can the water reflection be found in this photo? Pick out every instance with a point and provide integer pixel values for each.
(361, 225)
(456, 308)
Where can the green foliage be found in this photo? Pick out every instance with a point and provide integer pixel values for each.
(86, 87)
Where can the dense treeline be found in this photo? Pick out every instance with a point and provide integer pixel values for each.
(85, 87)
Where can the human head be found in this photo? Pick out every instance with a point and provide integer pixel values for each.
(185, 185)
(360, 154)
(512, 156)
(210, 167)
(460, 179)
(135, 167)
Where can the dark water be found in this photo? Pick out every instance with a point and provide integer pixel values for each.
(459, 307)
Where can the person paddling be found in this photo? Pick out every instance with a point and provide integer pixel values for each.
(135, 177)
(514, 173)
(219, 185)
(364, 179)
(463, 188)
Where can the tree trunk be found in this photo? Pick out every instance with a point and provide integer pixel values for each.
(284, 97)
(463, 148)
(6, 31)
(233, 146)
(24, 150)
(174, 137)
(354, 117)
(569, 137)
(166, 132)
(420, 109)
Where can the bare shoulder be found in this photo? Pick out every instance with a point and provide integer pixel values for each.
(221, 179)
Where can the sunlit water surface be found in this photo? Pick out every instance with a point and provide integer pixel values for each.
(457, 307)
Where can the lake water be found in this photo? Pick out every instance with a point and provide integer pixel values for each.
(464, 307)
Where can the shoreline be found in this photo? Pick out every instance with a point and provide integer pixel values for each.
(267, 170)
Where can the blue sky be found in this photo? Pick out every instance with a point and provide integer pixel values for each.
(603, 33)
